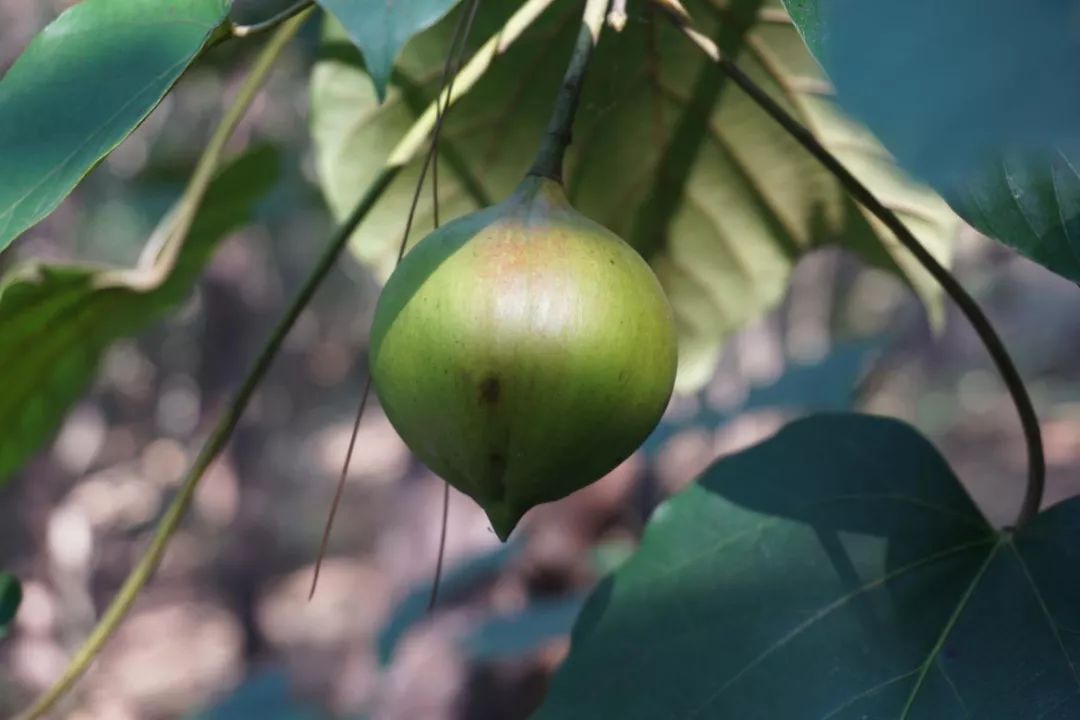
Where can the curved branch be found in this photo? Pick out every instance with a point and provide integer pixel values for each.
(1010, 375)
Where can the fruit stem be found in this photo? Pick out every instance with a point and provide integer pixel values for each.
(549, 158)
(1025, 409)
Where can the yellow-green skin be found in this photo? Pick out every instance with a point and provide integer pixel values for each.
(523, 351)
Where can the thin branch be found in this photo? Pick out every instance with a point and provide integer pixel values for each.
(437, 581)
(549, 158)
(339, 490)
(985, 330)
(240, 31)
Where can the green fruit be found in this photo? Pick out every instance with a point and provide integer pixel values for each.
(523, 351)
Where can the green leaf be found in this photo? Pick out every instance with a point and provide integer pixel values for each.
(56, 320)
(666, 153)
(381, 28)
(79, 88)
(955, 100)
(10, 599)
(1029, 201)
(837, 570)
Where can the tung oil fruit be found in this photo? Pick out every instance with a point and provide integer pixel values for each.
(523, 351)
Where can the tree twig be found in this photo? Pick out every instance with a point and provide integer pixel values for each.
(1010, 375)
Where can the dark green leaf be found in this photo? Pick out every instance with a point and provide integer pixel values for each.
(380, 29)
(10, 599)
(836, 571)
(666, 154)
(56, 320)
(83, 84)
(1030, 202)
(964, 80)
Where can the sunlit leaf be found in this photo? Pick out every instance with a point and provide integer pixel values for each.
(56, 320)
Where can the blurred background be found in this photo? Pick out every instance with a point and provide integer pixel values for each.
(225, 630)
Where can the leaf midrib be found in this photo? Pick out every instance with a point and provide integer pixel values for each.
(1003, 540)
(840, 602)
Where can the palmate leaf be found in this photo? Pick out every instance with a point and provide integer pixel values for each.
(840, 571)
(57, 320)
(979, 100)
(81, 86)
(666, 153)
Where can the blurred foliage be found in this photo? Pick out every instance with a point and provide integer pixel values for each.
(828, 384)
(56, 320)
(266, 696)
(516, 635)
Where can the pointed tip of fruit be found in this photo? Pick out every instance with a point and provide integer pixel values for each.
(503, 519)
